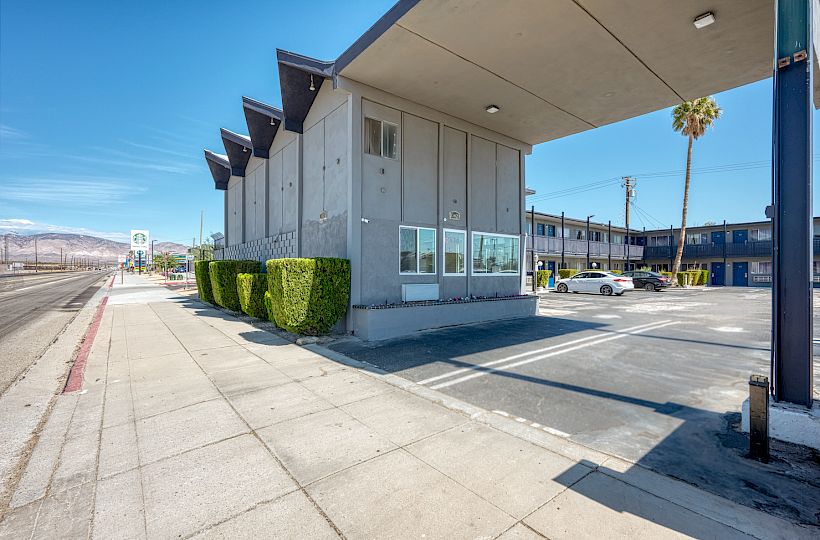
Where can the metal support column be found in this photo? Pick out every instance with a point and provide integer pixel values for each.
(792, 194)
(671, 243)
(563, 236)
(609, 245)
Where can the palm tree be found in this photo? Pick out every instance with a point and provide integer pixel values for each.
(690, 118)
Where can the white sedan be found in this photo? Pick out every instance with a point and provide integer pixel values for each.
(605, 283)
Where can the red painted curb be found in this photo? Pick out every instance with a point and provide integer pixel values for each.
(75, 377)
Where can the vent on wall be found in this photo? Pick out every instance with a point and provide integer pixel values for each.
(415, 292)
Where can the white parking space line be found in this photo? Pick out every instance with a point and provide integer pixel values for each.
(530, 353)
(536, 425)
(550, 355)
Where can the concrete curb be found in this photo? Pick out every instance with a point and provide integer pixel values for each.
(27, 404)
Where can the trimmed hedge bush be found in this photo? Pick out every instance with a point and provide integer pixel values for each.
(268, 301)
(251, 289)
(693, 277)
(203, 281)
(543, 279)
(565, 273)
(223, 281)
(308, 296)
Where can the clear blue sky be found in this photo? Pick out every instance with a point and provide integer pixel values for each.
(105, 108)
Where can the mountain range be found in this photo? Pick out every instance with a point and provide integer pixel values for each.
(49, 246)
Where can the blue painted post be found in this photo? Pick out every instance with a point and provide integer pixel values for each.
(792, 194)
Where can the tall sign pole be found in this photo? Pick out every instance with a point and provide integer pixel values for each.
(792, 210)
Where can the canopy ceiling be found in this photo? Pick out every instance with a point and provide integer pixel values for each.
(559, 67)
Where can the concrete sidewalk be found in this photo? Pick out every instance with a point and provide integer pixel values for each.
(194, 423)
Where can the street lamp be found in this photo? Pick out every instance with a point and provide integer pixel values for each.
(152, 256)
(588, 218)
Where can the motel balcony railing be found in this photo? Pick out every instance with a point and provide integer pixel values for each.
(712, 250)
(550, 245)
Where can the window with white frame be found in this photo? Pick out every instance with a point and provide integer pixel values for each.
(495, 254)
(761, 267)
(455, 252)
(381, 138)
(417, 250)
(760, 235)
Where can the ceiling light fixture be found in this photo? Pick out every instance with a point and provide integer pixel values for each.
(272, 122)
(492, 109)
(702, 21)
(244, 149)
(312, 87)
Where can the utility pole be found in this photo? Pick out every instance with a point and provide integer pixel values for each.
(61, 258)
(35, 255)
(629, 184)
(202, 219)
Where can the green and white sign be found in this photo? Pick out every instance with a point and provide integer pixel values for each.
(139, 240)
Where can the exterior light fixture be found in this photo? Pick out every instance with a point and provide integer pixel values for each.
(492, 109)
(312, 86)
(702, 21)
(272, 122)
(244, 149)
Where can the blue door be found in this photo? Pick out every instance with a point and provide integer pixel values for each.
(740, 237)
(740, 274)
(551, 268)
(718, 238)
(718, 273)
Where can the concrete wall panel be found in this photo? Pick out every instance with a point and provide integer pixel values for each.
(313, 160)
(290, 184)
(455, 176)
(419, 170)
(275, 209)
(508, 188)
(482, 185)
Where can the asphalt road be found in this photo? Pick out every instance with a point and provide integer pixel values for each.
(657, 378)
(34, 309)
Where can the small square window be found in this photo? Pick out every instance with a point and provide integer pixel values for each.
(390, 140)
(381, 138)
(372, 137)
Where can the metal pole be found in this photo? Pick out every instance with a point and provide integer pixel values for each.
(202, 219)
(587, 242)
(792, 194)
(671, 243)
(563, 235)
(35, 255)
(725, 241)
(609, 244)
(534, 256)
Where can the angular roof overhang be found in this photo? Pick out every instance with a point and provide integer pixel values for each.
(238, 149)
(564, 66)
(297, 75)
(220, 169)
(263, 122)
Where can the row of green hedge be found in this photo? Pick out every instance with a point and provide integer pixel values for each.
(307, 296)
(695, 277)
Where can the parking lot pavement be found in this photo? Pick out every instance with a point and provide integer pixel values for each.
(656, 378)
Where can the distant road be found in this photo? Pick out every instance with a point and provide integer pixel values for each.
(34, 309)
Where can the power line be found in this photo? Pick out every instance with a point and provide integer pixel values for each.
(598, 184)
